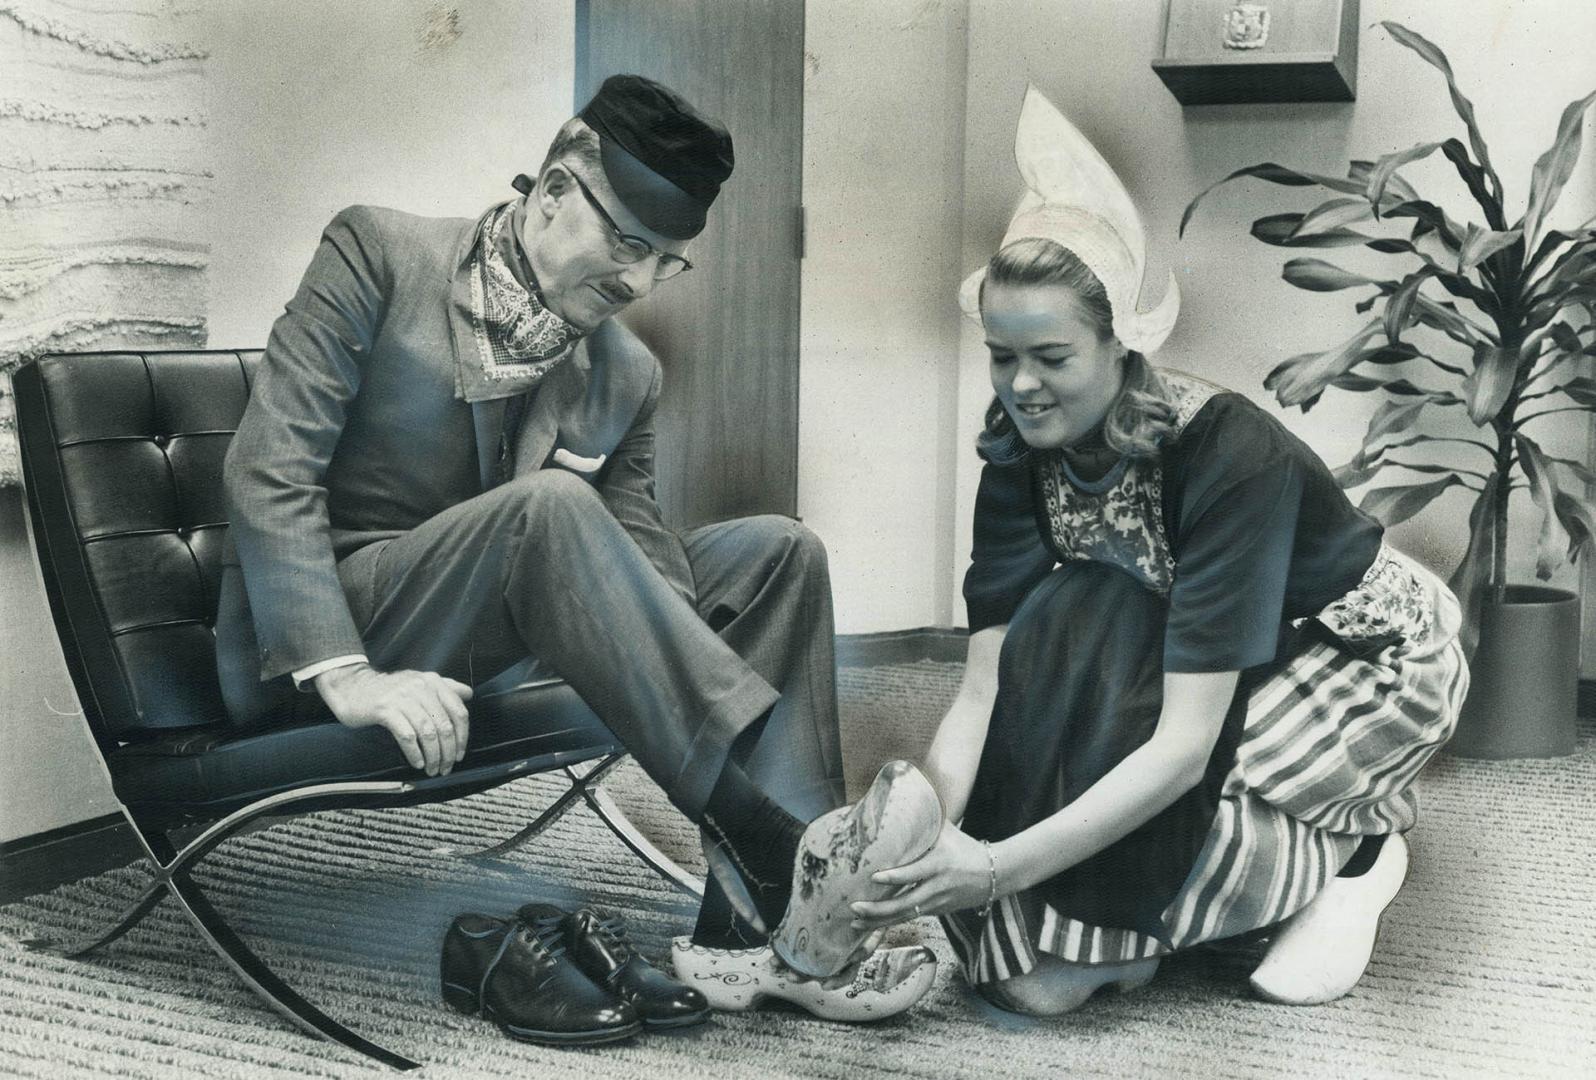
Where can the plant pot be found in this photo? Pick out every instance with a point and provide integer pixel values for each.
(1524, 678)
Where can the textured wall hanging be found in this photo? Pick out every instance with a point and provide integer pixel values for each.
(103, 178)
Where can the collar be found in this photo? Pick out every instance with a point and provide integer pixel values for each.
(517, 340)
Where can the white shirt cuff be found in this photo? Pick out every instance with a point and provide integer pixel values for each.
(310, 671)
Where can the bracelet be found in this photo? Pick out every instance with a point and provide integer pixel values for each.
(991, 894)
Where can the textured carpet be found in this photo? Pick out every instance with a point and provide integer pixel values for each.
(1483, 967)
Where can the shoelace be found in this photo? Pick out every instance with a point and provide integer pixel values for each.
(547, 933)
(612, 927)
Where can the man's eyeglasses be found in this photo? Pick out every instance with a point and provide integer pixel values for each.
(633, 249)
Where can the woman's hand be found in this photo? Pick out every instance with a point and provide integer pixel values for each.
(954, 875)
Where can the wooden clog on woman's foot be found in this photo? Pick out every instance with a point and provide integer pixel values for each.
(1320, 953)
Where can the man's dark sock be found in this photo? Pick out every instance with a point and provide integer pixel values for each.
(719, 926)
(1363, 858)
(757, 835)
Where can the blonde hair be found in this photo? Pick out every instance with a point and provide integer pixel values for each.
(1140, 416)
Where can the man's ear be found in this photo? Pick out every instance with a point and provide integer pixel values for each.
(553, 188)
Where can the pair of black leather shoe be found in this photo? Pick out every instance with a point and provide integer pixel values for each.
(560, 978)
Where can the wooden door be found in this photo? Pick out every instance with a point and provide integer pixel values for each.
(727, 331)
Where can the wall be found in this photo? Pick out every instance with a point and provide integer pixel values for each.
(103, 164)
(883, 135)
(427, 107)
(1519, 62)
(424, 106)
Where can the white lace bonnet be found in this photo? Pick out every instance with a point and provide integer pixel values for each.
(1075, 199)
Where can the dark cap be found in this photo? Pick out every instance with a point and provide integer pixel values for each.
(664, 159)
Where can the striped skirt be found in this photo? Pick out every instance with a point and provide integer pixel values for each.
(1320, 750)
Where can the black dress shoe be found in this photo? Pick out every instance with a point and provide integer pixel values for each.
(600, 949)
(518, 975)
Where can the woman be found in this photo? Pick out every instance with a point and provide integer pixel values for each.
(1199, 686)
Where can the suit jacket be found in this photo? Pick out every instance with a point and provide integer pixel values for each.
(353, 432)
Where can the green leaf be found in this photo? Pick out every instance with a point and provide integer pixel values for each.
(1330, 216)
(1554, 239)
(1393, 416)
(1582, 389)
(1357, 383)
(1578, 519)
(1275, 174)
(1492, 380)
(1427, 213)
(1553, 168)
(1392, 505)
(1565, 337)
(1480, 244)
(1357, 472)
(1434, 397)
(1465, 109)
(1399, 309)
(1581, 473)
(1305, 376)
(1444, 317)
(1358, 174)
(1316, 275)
(1553, 540)
(1280, 230)
(1575, 264)
(1400, 353)
(1280, 174)
(1388, 164)
(1474, 177)
(1473, 574)
(1391, 245)
(1402, 387)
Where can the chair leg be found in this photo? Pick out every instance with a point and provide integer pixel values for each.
(552, 813)
(130, 918)
(265, 982)
(610, 813)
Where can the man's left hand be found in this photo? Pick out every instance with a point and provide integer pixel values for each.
(953, 876)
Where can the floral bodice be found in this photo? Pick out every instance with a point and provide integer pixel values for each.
(1119, 520)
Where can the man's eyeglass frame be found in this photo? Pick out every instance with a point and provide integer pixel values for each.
(630, 249)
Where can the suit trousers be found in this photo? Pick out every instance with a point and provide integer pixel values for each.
(539, 566)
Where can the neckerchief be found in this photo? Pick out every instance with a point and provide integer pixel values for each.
(519, 341)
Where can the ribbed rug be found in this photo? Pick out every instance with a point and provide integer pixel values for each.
(1483, 967)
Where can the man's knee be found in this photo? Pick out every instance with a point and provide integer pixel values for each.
(553, 496)
(780, 538)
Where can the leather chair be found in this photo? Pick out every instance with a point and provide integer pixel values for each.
(122, 465)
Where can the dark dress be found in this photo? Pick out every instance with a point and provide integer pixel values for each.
(1232, 550)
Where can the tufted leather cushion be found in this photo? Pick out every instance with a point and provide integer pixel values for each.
(205, 774)
(122, 456)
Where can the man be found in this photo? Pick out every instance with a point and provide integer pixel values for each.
(446, 465)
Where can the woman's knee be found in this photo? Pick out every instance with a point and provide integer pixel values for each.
(1083, 599)
(1056, 987)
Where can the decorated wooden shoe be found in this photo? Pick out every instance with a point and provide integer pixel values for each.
(1320, 953)
(884, 984)
(895, 823)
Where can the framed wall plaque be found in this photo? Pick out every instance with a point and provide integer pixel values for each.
(1219, 52)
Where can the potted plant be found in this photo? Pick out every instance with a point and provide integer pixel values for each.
(1495, 319)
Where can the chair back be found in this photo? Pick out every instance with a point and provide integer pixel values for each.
(122, 463)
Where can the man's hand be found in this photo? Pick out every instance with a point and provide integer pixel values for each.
(424, 711)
